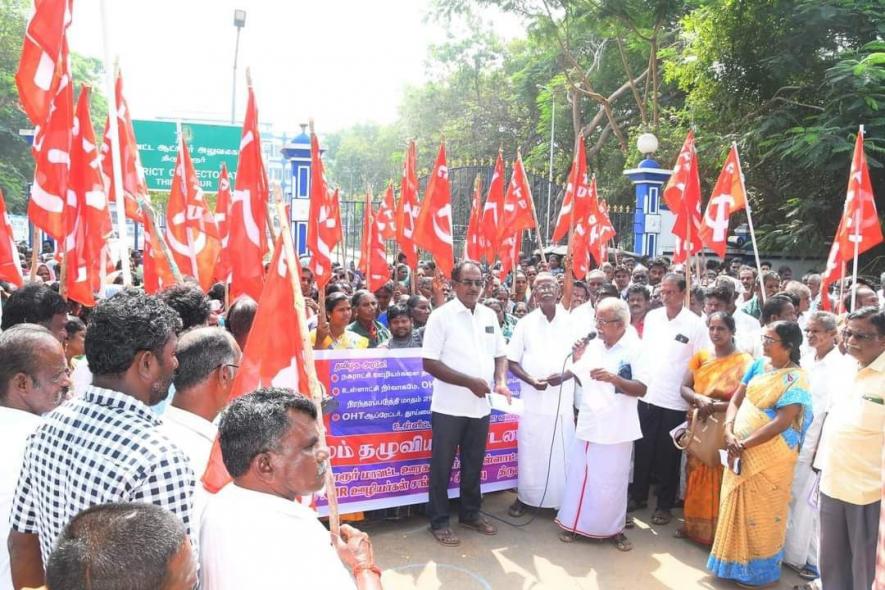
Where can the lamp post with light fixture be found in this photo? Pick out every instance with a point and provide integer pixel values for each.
(239, 23)
(648, 178)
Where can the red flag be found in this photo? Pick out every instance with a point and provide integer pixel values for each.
(43, 58)
(274, 354)
(585, 208)
(10, 262)
(323, 228)
(729, 195)
(191, 231)
(52, 158)
(373, 258)
(493, 211)
(510, 248)
(247, 242)
(222, 222)
(134, 186)
(407, 208)
(474, 243)
(87, 218)
(386, 215)
(575, 191)
(861, 221)
(683, 197)
(603, 231)
(158, 273)
(859, 224)
(433, 228)
(518, 208)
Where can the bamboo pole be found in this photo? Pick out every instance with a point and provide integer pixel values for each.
(750, 224)
(114, 130)
(316, 390)
(36, 248)
(534, 212)
(856, 239)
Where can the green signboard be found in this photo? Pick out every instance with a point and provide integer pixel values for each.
(210, 145)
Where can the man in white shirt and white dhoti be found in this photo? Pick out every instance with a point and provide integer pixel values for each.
(537, 354)
(611, 373)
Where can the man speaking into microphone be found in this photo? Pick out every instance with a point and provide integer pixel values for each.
(609, 369)
(464, 351)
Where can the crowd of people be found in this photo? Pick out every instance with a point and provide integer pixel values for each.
(109, 415)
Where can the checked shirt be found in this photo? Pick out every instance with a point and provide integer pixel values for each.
(101, 447)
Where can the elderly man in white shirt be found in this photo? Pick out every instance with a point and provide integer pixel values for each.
(672, 335)
(828, 373)
(537, 354)
(255, 534)
(33, 381)
(610, 370)
(464, 351)
(208, 359)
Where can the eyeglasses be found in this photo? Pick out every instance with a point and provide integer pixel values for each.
(769, 340)
(545, 287)
(600, 322)
(224, 365)
(472, 282)
(862, 336)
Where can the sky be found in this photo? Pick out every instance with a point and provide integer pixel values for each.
(339, 61)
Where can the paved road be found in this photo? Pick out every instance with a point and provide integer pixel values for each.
(533, 558)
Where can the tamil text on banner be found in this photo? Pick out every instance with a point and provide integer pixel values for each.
(380, 436)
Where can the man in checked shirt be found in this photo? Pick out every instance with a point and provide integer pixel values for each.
(104, 446)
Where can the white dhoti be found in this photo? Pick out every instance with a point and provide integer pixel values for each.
(803, 526)
(595, 500)
(544, 441)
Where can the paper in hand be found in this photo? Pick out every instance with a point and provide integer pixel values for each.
(499, 402)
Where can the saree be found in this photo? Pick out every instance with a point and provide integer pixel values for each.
(749, 543)
(716, 378)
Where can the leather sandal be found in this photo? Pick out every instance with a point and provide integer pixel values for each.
(517, 509)
(622, 542)
(446, 536)
(481, 525)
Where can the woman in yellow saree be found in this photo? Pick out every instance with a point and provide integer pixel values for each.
(713, 376)
(765, 423)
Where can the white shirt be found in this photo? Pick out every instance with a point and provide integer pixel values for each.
(468, 342)
(15, 426)
(747, 336)
(604, 416)
(250, 539)
(583, 319)
(668, 346)
(194, 435)
(827, 377)
(542, 348)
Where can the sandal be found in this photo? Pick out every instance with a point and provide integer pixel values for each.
(567, 537)
(680, 533)
(621, 542)
(629, 523)
(446, 536)
(661, 517)
(481, 525)
(517, 509)
(808, 573)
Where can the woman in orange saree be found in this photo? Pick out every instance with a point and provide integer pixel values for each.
(764, 426)
(712, 378)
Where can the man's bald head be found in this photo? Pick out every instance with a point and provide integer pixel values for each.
(200, 352)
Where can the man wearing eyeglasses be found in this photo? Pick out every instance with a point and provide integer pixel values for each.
(208, 359)
(850, 460)
(464, 351)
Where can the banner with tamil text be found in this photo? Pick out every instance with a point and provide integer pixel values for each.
(380, 435)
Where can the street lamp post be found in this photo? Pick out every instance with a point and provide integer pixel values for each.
(239, 23)
(550, 164)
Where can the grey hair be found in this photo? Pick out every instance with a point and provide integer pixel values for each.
(618, 306)
(18, 347)
(200, 351)
(827, 320)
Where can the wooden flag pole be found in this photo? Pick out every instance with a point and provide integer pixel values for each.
(316, 390)
(750, 223)
(114, 130)
(856, 239)
(36, 248)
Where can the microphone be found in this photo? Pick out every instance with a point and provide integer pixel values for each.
(581, 342)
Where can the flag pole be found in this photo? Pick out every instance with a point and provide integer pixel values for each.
(316, 390)
(114, 129)
(36, 248)
(856, 240)
(534, 211)
(750, 222)
(368, 237)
